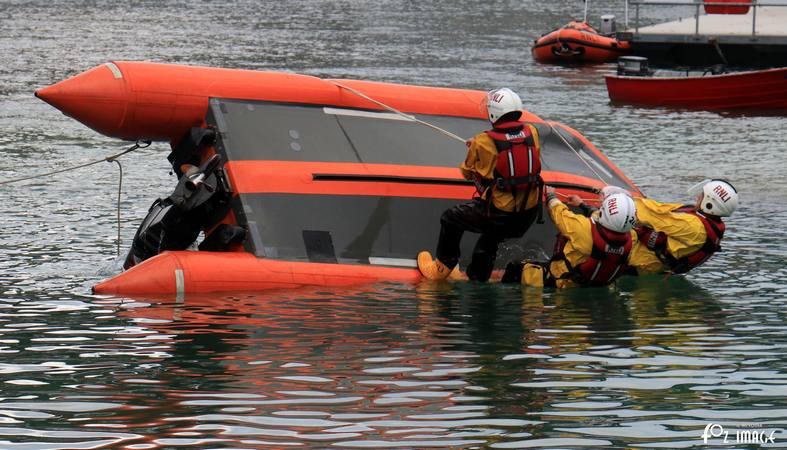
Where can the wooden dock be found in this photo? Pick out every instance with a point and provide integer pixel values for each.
(755, 39)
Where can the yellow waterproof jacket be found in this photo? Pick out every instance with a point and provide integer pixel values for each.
(685, 234)
(576, 228)
(482, 159)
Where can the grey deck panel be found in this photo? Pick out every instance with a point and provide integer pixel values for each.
(358, 228)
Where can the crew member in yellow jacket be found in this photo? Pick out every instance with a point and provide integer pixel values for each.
(675, 238)
(590, 251)
(505, 165)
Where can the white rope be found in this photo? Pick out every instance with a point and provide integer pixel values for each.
(120, 191)
(109, 158)
(396, 111)
(577, 152)
(448, 133)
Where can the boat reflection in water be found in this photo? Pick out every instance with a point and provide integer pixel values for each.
(386, 365)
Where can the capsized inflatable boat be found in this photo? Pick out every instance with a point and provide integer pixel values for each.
(296, 180)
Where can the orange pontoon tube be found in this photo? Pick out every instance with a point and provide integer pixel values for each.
(296, 181)
(151, 101)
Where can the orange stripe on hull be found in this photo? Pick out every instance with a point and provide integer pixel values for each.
(249, 177)
(254, 177)
(185, 272)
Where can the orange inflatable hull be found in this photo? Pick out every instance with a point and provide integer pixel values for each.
(138, 100)
(184, 272)
(160, 102)
(577, 42)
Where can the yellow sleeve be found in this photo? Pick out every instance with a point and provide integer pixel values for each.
(657, 215)
(685, 232)
(567, 223)
(536, 139)
(576, 228)
(481, 158)
(644, 260)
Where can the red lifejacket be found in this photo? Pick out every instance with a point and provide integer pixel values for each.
(607, 261)
(657, 242)
(518, 158)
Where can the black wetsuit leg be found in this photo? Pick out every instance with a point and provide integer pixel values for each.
(471, 216)
(513, 273)
(484, 255)
(493, 225)
(505, 225)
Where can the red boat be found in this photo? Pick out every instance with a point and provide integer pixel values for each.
(761, 90)
(716, 6)
(577, 42)
(296, 180)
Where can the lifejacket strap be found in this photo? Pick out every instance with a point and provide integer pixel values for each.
(540, 204)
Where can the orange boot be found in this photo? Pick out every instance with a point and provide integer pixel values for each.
(433, 269)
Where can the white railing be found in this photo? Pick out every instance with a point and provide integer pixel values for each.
(754, 4)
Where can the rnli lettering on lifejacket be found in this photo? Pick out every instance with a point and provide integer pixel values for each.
(511, 137)
(722, 193)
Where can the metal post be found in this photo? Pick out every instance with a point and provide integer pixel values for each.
(626, 15)
(754, 19)
(697, 18)
(636, 23)
(586, 12)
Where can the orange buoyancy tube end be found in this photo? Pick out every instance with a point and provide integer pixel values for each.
(186, 272)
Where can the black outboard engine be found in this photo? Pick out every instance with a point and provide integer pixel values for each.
(199, 201)
(633, 66)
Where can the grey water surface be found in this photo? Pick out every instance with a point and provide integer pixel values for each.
(648, 364)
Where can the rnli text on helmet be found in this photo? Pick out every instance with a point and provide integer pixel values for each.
(722, 193)
(612, 206)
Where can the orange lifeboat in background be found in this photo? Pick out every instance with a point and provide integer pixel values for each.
(577, 42)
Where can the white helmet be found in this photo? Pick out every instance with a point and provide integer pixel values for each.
(618, 213)
(715, 197)
(502, 101)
